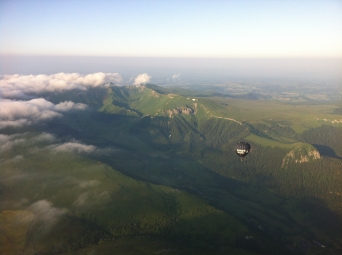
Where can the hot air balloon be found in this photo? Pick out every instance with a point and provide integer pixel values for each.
(242, 149)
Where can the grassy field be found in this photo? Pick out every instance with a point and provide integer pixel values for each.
(301, 117)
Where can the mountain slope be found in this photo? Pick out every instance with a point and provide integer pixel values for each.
(77, 202)
(143, 161)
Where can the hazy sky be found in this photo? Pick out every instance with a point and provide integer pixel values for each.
(165, 28)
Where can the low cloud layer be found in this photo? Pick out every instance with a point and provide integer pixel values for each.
(18, 86)
(20, 113)
(142, 79)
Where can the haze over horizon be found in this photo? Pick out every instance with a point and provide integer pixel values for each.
(210, 40)
(175, 70)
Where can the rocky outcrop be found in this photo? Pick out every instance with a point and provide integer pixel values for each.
(301, 153)
(180, 110)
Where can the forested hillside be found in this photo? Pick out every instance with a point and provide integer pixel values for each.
(143, 164)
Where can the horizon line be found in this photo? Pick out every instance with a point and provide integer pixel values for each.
(170, 57)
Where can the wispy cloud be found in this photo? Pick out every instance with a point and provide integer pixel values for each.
(176, 75)
(20, 113)
(8, 142)
(142, 79)
(68, 105)
(49, 142)
(92, 198)
(18, 86)
(81, 200)
(15, 159)
(43, 137)
(80, 148)
(73, 147)
(46, 213)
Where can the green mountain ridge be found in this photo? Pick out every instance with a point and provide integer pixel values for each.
(145, 101)
(142, 100)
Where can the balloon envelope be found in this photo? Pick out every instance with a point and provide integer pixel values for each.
(242, 149)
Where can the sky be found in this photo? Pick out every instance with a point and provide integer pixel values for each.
(180, 29)
(173, 40)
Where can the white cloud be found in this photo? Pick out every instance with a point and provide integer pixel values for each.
(7, 142)
(45, 213)
(15, 159)
(44, 137)
(81, 200)
(92, 198)
(176, 75)
(77, 147)
(142, 79)
(88, 184)
(17, 86)
(14, 123)
(68, 105)
(73, 147)
(20, 113)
